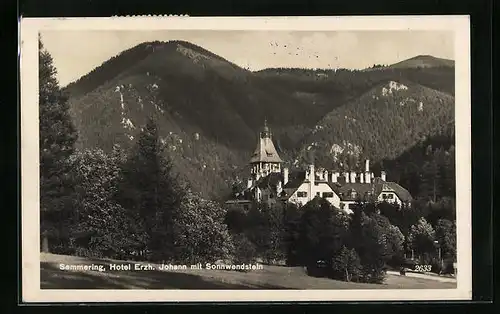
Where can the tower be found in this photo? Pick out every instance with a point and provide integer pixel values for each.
(265, 159)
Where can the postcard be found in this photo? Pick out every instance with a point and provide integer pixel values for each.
(245, 159)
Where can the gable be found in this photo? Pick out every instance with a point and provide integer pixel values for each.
(265, 152)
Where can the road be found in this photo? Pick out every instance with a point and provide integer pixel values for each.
(425, 276)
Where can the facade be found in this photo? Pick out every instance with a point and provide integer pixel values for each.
(269, 182)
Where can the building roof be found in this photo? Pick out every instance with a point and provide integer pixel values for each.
(295, 181)
(400, 191)
(364, 190)
(265, 151)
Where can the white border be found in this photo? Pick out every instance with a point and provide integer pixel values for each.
(30, 28)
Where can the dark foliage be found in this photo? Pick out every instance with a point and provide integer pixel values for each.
(149, 189)
(57, 138)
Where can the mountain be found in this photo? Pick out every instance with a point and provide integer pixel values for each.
(209, 110)
(423, 61)
(380, 124)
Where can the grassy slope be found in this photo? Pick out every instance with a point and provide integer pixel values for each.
(271, 277)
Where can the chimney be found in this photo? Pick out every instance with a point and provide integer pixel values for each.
(367, 165)
(312, 173)
(319, 174)
(382, 175)
(326, 175)
(353, 177)
(337, 175)
(249, 183)
(285, 176)
(279, 188)
(361, 177)
(367, 177)
(346, 175)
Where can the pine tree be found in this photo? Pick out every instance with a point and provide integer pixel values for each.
(57, 138)
(429, 182)
(150, 189)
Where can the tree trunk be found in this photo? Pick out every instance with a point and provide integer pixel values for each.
(347, 275)
(45, 243)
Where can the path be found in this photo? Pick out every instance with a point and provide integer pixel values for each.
(425, 276)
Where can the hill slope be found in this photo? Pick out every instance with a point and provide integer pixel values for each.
(423, 61)
(380, 124)
(208, 109)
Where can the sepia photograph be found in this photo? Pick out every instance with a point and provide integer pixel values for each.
(246, 159)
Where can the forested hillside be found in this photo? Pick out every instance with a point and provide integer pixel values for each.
(381, 124)
(209, 110)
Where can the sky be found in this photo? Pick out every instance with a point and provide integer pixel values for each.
(77, 52)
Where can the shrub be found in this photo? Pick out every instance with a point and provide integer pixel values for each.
(236, 220)
(101, 227)
(346, 265)
(201, 233)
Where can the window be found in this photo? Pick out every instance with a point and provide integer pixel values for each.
(342, 205)
(318, 194)
(384, 196)
(301, 194)
(327, 194)
(271, 195)
(390, 196)
(316, 183)
(352, 206)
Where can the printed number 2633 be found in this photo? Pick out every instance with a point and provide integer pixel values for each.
(425, 268)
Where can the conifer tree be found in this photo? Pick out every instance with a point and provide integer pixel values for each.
(150, 188)
(57, 139)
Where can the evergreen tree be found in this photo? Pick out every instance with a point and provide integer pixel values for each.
(150, 189)
(323, 232)
(292, 218)
(430, 180)
(57, 139)
(371, 243)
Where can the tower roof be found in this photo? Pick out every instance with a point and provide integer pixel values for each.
(265, 151)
